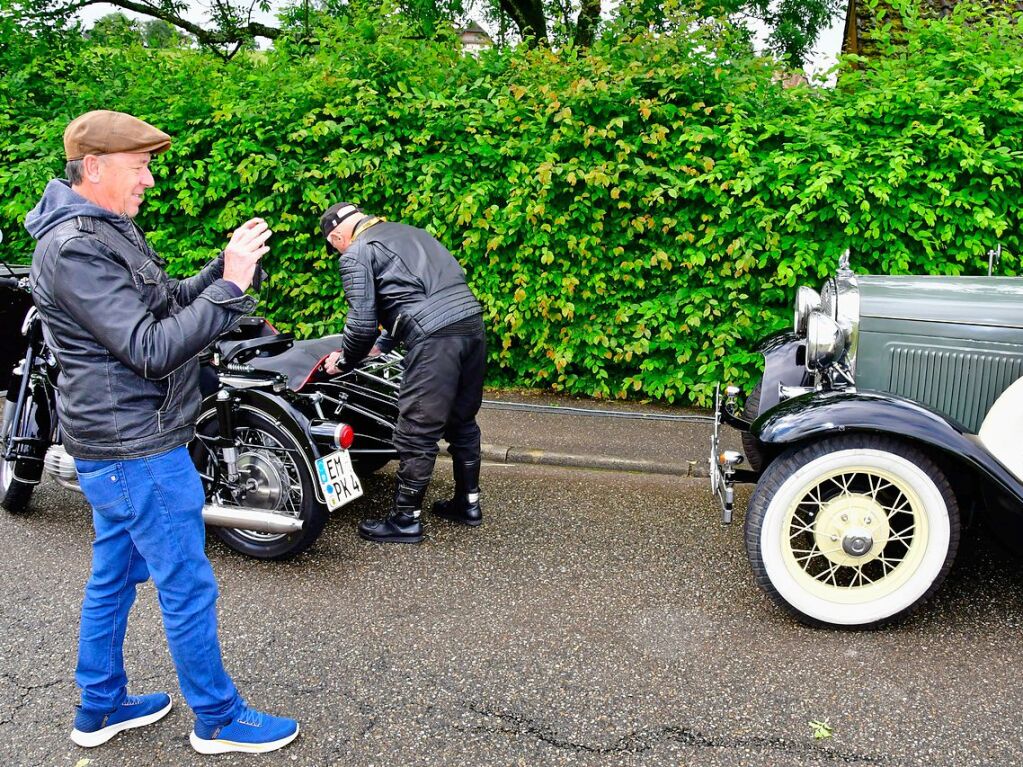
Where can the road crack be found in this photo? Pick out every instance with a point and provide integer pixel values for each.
(643, 740)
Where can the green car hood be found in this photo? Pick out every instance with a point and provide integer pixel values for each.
(990, 301)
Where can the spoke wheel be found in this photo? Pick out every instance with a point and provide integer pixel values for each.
(273, 478)
(852, 531)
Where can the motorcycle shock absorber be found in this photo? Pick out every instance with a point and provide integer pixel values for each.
(228, 446)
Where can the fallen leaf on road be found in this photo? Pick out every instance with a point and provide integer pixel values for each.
(820, 729)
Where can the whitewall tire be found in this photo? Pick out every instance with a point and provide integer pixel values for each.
(853, 531)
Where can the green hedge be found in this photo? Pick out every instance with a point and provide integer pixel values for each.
(632, 218)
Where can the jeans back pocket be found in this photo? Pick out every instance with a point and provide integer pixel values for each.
(105, 488)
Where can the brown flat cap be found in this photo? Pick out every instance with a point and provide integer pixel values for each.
(105, 132)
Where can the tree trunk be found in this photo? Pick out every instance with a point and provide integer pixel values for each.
(528, 16)
(586, 25)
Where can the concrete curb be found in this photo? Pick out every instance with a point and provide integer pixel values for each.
(513, 455)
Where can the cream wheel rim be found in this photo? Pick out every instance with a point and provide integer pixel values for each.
(855, 534)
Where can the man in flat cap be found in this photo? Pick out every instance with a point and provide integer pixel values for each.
(403, 278)
(126, 337)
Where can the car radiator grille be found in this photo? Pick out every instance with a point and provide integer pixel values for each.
(959, 383)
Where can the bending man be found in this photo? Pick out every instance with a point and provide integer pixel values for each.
(402, 278)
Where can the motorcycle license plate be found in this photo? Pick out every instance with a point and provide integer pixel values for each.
(338, 480)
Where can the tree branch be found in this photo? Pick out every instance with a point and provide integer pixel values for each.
(211, 38)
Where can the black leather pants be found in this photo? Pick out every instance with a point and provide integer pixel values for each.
(440, 395)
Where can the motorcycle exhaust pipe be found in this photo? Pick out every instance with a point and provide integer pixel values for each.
(246, 518)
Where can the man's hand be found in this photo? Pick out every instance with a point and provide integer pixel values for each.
(334, 362)
(242, 254)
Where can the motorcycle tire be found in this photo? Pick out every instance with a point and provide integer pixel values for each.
(274, 458)
(16, 496)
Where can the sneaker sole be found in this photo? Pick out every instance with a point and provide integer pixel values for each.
(227, 746)
(99, 737)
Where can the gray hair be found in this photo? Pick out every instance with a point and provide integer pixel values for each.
(75, 172)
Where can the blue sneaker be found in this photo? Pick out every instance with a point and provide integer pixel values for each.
(136, 711)
(251, 731)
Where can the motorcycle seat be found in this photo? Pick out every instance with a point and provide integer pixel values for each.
(301, 362)
(247, 349)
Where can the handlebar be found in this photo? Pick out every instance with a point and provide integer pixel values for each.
(10, 282)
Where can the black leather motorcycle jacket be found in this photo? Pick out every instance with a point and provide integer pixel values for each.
(402, 278)
(126, 335)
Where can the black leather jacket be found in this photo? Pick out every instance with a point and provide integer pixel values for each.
(402, 278)
(126, 335)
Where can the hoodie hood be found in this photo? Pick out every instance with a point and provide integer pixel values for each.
(60, 203)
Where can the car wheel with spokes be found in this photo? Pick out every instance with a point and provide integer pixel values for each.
(852, 531)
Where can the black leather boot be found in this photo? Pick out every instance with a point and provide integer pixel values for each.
(403, 524)
(465, 507)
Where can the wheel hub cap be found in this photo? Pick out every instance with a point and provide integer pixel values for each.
(265, 478)
(857, 543)
(851, 529)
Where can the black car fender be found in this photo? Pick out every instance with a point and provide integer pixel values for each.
(784, 365)
(821, 414)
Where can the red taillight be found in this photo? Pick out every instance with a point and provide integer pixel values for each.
(345, 436)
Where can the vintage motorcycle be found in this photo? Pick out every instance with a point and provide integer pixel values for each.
(279, 443)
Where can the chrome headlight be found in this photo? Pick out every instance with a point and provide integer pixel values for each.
(840, 300)
(807, 300)
(825, 341)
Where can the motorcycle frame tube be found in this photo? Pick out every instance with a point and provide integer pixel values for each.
(343, 393)
(818, 415)
(284, 415)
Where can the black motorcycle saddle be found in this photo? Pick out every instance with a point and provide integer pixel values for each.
(301, 362)
(242, 351)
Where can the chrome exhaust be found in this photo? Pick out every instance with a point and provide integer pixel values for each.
(61, 467)
(246, 518)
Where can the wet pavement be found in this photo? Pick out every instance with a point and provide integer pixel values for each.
(596, 618)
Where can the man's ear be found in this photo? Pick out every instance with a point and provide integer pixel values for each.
(91, 168)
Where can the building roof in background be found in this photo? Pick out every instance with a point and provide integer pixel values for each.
(473, 35)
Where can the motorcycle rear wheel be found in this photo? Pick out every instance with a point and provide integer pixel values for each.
(273, 459)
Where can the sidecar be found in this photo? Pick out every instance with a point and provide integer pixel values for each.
(887, 418)
(281, 444)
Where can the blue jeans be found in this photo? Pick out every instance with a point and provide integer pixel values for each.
(147, 513)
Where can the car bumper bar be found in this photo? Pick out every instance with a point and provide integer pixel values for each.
(723, 463)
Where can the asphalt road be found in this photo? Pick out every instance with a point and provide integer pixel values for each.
(596, 618)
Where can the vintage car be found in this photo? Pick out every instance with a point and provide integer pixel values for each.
(890, 416)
